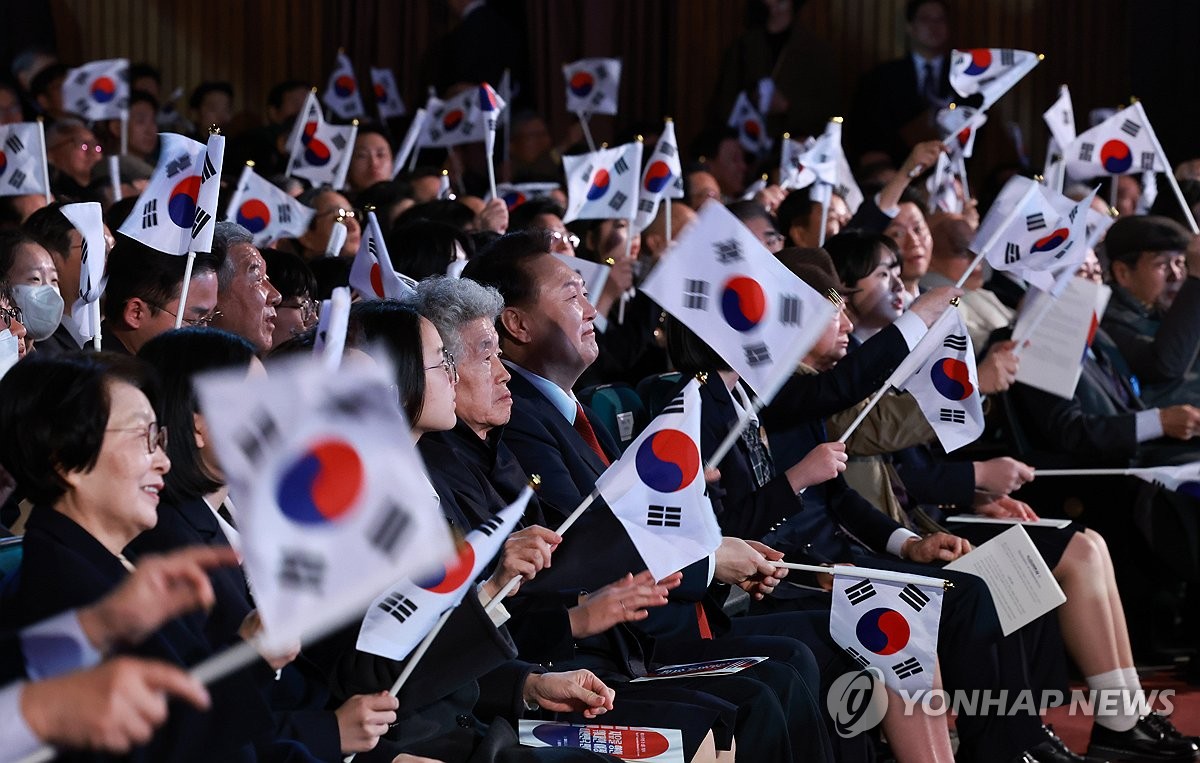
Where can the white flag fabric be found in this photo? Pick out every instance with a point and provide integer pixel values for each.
(958, 128)
(398, 620)
(750, 125)
(940, 375)
(387, 95)
(723, 284)
(1077, 217)
(452, 122)
(1184, 478)
(820, 163)
(209, 195)
(1025, 229)
(412, 137)
(1123, 144)
(603, 184)
(516, 194)
(342, 95)
(10, 351)
(97, 90)
(22, 159)
(891, 626)
(266, 210)
(844, 185)
(334, 504)
(593, 85)
(657, 489)
(662, 178)
(332, 324)
(990, 72)
(793, 173)
(1060, 118)
(490, 107)
(594, 274)
(372, 275)
(320, 152)
(165, 211)
(88, 218)
(943, 192)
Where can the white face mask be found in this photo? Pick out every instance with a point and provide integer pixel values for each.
(9, 351)
(41, 309)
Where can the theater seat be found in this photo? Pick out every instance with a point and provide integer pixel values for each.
(10, 557)
(657, 390)
(618, 409)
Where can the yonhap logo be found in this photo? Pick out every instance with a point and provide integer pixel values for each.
(857, 702)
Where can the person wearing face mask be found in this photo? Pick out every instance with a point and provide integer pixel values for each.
(29, 270)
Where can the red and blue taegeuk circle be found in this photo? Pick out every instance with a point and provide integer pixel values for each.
(752, 128)
(743, 303)
(658, 174)
(1115, 156)
(981, 59)
(454, 574)
(3, 162)
(952, 379)
(581, 84)
(316, 153)
(633, 744)
(323, 484)
(103, 89)
(883, 631)
(513, 199)
(381, 94)
(254, 215)
(377, 280)
(181, 204)
(452, 119)
(668, 461)
(600, 183)
(1051, 241)
(344, 86)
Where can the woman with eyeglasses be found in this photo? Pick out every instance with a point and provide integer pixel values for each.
(71, 152)
(10, 319)
(297, 309)
(83, 439)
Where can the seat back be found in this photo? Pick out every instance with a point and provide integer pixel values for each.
(618, 409)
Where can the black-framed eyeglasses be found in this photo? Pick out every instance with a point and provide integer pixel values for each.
(156, 436)
(448, 365)
(307, 307)
(346, 214)
(10, 314)
(557, 238)
(203, 321)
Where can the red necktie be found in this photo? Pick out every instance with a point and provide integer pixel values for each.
(584, 428)
(702, 621)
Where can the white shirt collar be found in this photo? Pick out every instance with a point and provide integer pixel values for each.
(565, 402)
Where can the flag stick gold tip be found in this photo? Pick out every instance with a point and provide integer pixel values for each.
(1041, 56)
(1038, 178)
(1112, 212)
(445, 172)
(702, 377)
(249, 162)
(640, 139)
(787, 136)
(954, 302)
(947, 584)
(952, 106)
(341, 50)
(369, 208)
(837, 120)
(535, 481)
(314, 90)
(603, 145)
(341, 218)
(668, 119)
(354, 122)
(214, 130)
(1133, 99)
(609, 261)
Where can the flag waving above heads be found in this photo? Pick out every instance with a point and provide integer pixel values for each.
(342, 95)
(320, 152)
(266, 210)
(1060, 118)
(399, 618)
(943, 193)
(333, 506)
(890, 626)
(490, 107)
(958, 127)
(165, 211)
(98, 90)
(387, 94)
(452, 122)
(750, 125)
(940, 375)
(22, 165)
(657, 489)
(1123, 144)
(662, 178)
(1077, 218)
(516, 194)
(793, 173)
(592, 85)
(991, 72)
(723, 284)
(603, 184)
(1027, 228)
(371, 274)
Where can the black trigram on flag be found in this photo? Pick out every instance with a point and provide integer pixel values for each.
(728, 251)
(857, 656)
(339, 141)
(952, 416)
(1012, 253)
(284, 213)
(208, 170)
(695, 294)
(618, 200)
(14, 144)
(301, 569)
(371, 248)
(150, 214)
(601, 72)
(398, 606)
(178, 164)
(1085, 151)
(955, 342)
(645, 205)
(675, 406)
(666, 149)
(1036, 221)
(860, 592)
(907, 668)
(18, 179)
(1006, 57)
(1148, 160)
(490, 527)
(202, 219)
(621, 166)
(789, 310)
(757, 354)
(914, 597)
(1131, 128)
(598, 98)
(389, 528)
(664, 516)
(257, 435)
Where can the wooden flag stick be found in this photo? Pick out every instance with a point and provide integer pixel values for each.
(866, 572)
(183, 290)
(587, 133)
(1082, 473)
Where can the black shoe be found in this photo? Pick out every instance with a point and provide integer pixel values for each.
(1141, 744)
(1052, 750)
(1162, 724)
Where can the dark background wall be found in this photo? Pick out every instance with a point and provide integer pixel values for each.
(1106, 50)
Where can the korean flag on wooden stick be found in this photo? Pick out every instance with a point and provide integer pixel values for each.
(662, 178)
(265, 210)
(1123, 144)
(1025, 229)
(320, 152)
(165, 211)
(334, 506)
(658, 493)
(399, 618)
(88, 218)
(991, 72)
(730, 291)
(750, 125)
(341, 94)
(387, 94)
(98, 90)
(592, 85)
(22, 160)
(372, 275)
(603, 184)
(940, 375)
(890, 626)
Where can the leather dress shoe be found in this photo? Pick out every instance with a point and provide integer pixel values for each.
(1052, 750)
(1141, 744)
(1162, 724)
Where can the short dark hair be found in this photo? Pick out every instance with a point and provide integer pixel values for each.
(747, 210)
(9, 241)
(330, 273)
(383, 195)
(795, 207)
(40, 84)
(397, 327)
(142, 69)
(205, 88)
(156, 278)
(522, 217)
(448, 211)
(53, 412)
(423, 248)
(504, 265)
(856, 253)
(141, 96)
(289, 273)
(912, 6)
(689, 353)
(51, 228)
(374, 129)
(179, 356)
(280, 89)
(1130, 237)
